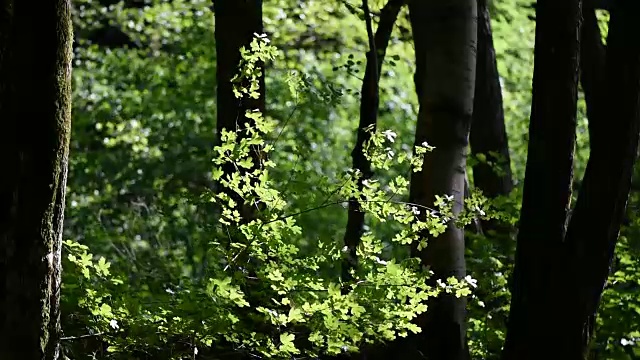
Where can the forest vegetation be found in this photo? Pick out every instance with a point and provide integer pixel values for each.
(319, 179)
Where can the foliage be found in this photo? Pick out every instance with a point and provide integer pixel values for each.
(256, 265)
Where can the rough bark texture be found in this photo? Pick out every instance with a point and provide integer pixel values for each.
(445, 42)
(369, 104)
(35, 108)
(614, 126)
(236, 22)
(488, 134)
(535, 320)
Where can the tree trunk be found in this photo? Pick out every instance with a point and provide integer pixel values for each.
(369, 104)
(445, 41)
(535, 320)
(488, 134)
(592, 65)
(615, 129)
(236, 22)
(35, 105)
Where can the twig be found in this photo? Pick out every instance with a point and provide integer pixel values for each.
(79, 337)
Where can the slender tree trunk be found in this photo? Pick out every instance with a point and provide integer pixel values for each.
(236, 22)
(488, 134)
(35, 108)
(536, 321)
(592, 65)
(369, 105)
(445, 41)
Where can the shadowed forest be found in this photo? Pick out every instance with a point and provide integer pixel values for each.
(319, 179)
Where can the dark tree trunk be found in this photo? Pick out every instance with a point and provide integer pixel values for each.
(535, 320)
(556, 299)
(488, 134)
(445, 41)
(35, 105)
(614, 126)
(236, 22)
(369, 105)
(592, 65)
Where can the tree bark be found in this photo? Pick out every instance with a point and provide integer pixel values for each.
(535, 317)
(35, 103)
(488, 134)
(445, 42)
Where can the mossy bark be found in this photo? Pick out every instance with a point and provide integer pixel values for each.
(35, 118)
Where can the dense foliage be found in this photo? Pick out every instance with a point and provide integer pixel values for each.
(159, 265)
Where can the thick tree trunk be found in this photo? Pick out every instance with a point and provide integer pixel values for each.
(614, 126)
(488, 134)
(35, 108)
(445, 41)
(236, 22)
(535, 321)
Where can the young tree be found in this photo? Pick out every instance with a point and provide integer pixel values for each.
(445, 41)
(35, 103)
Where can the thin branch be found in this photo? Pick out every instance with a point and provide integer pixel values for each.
(79, 337)
(340, 202)
(477, 224)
